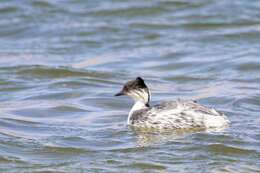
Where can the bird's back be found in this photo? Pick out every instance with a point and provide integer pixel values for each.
(178, 114)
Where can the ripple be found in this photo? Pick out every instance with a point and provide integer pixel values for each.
(49, 72)
(228, 150)
(249, 67)
(250, 104)
(129, 12)
(61, 62)
(42, 4)
(145, 166)
(183, 78)
(21, 121)
(8, 9)
(64, 150)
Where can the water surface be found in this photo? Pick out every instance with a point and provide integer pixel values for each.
(62, 62)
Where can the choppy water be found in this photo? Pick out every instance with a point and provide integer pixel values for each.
(62, 61)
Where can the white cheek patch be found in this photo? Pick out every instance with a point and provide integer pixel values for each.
(134, 95)
(145, 95)
(140, 95)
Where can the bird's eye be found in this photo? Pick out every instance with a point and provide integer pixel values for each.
(125, 89)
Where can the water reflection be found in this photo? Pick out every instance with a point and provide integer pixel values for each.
(150, 137)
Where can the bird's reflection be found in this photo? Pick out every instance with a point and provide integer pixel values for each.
(148, 136)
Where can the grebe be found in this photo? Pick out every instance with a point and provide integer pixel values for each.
(180, 114)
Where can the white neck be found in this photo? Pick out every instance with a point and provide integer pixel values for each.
(137, 106)
(142, 95)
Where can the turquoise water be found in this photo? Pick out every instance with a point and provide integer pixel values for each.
(61, 62)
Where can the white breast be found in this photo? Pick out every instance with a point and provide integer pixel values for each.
(137, 106)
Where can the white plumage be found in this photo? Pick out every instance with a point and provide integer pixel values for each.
(180, 114)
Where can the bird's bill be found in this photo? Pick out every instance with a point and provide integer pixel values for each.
(120, 93)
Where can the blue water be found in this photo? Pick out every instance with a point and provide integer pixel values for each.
(62, 62)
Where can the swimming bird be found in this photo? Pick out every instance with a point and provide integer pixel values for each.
(179, 114)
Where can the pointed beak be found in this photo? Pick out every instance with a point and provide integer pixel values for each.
(120, 93)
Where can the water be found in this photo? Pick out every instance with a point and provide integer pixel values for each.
(62, 62)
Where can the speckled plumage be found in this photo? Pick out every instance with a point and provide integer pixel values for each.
(180, 114)
(177, 114)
